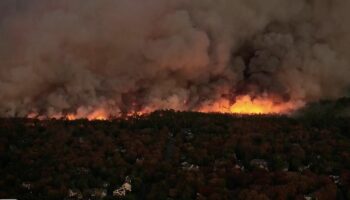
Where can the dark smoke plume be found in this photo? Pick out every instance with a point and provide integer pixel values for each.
(64, 56)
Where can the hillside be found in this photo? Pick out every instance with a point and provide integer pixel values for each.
(173, 155)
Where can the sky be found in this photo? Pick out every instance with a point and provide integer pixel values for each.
(127, 55)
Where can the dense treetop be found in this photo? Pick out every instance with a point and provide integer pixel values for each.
(176, 155)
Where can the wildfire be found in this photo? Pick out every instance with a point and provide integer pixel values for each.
(99, 114)
(243, 105)
(248, 105)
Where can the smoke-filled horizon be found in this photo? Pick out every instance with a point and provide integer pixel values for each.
(76, 56)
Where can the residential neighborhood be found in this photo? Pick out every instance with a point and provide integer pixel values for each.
(175, 155)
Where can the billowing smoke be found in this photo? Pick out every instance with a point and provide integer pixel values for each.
(121, 55)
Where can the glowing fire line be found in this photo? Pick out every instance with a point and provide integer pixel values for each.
(247, 105)
(243, 105)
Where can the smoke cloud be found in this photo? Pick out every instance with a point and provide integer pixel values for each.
(76, 56)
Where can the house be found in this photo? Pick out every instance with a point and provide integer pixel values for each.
(285, 169)
(140, 160)
(188, 134)
(239, 166)
(336, 179)
(309, 197)
(105, 185)
(303, 168)
(189, 167)
(171, 134)
(124, 189)
(120, 149)
(27, 186)
(83, 170)
(99, 193)
(75, 194)
(260, 163)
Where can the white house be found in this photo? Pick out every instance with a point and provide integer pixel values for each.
(124, 189)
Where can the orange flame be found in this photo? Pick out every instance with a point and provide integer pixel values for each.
(243, 105)
(247, 105)
(95, 115)
(98, 114)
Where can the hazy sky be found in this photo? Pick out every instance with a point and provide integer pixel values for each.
(64, 56)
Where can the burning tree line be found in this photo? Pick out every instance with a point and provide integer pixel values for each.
(94, 59)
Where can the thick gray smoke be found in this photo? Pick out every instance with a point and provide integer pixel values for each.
(75, 56)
